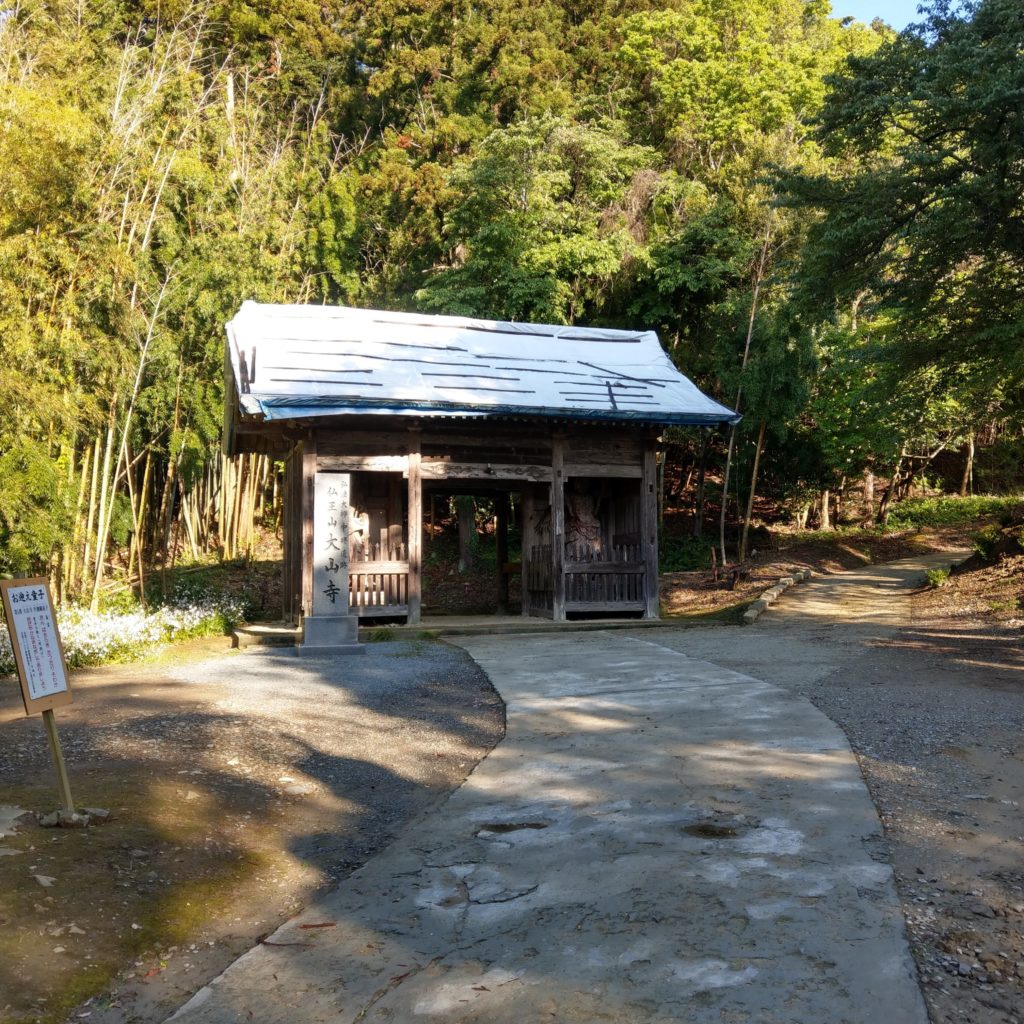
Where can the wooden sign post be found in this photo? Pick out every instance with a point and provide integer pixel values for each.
(39, 656)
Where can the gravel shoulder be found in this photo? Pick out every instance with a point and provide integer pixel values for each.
(933, 706)
(240, 785)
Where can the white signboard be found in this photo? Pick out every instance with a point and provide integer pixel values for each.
(38, 651)
(330, 543)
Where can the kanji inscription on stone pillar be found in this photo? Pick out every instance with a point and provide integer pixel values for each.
(330, 543)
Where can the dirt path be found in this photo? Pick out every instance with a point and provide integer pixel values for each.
(240, 786)
(934, 709)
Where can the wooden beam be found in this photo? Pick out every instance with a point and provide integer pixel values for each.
(605, 567)
(364, 463)
(604, 470)
(415, 529)
(558, 529)
(649, 532)
(380, 566)
(354, 440)
(438, 469)
(612, 607)
(292, 511)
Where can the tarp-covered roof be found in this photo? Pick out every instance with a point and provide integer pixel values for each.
(294, 362)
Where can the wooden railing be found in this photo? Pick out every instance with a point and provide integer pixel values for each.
(611, 579)
(379, 586)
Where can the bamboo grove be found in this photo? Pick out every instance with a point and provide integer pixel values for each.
(752, 179)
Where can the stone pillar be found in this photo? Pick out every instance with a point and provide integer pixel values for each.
(331, 629)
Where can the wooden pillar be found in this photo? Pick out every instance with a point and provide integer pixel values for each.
(287, 594)
(649, 530)
(308, 450)
(558, 529)
(529, 540)
(415, 530)
(501, 510)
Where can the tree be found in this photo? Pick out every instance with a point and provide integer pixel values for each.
(541, 226)
(924, 206)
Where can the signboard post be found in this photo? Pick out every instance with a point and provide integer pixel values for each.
(39, 656)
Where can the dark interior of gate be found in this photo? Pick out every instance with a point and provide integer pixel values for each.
(603, 565)
(602, 560)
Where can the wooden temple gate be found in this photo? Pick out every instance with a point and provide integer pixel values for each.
(588, 517)
(374, 409)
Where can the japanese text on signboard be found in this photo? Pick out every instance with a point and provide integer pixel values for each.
(34, 635)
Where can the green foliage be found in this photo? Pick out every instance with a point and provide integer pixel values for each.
(948, 511)
(34, 505)
(684, 554)
(984, 541)
(937, 577)
(922, 206)
(721, 75)
(598, 162)
(540, 228)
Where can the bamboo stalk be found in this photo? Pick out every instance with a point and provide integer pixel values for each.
(143, 509)
(103, 525)
(91, 516)
(76, 536)
(758, 449)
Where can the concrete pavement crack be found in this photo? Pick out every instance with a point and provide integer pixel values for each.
(391, 986)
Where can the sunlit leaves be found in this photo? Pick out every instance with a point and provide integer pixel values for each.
(541, 226)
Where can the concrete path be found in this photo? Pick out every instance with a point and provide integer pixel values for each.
(658, 839)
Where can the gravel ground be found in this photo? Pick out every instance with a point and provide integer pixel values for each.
(258, 779)
(934, 710)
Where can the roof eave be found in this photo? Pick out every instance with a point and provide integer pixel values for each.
(287, 409)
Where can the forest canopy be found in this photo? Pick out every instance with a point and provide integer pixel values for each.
(822, 219)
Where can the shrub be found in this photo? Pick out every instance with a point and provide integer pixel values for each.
(684, 554)
(947, 511)
(984, 541)
(937, 577)
(93, 638)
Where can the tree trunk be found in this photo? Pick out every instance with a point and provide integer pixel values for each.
(755, 298)
(869, 493)
(825, 520)
(883, 509)
(70, 558)
(759, 447)
(967, 480)
(91, 517)
(140, 545)
(698, 502)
